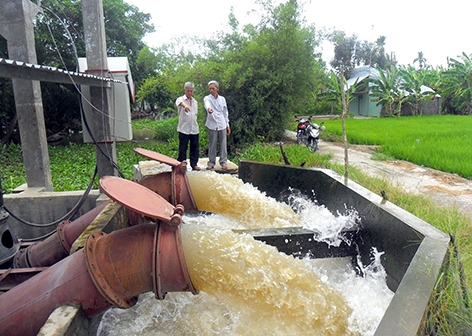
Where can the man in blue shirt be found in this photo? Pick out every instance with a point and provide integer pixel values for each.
(217, 124)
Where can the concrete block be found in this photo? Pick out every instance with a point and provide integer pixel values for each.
(66, 321)
(149, 168)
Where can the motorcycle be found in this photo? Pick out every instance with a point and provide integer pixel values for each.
(308, 133)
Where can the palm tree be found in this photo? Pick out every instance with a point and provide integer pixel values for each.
(378, 56)
(421, 60)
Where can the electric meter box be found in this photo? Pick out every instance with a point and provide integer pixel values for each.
(122, 93)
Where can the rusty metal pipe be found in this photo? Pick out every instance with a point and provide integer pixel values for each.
(112, 269)
(172, 186)
(25, 308)
(57, 246)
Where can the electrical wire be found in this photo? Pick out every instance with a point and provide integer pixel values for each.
(112, 162)
(68, 215)
(108, 156)
(77, 87)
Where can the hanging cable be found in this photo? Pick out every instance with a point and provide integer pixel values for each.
(77, 87)
(114, 164)
(68, 215)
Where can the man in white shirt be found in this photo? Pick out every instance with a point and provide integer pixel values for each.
(217, 124)
(188, 126)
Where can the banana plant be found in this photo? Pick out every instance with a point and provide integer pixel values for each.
(457, 83)
(412, 83)
(387, 91)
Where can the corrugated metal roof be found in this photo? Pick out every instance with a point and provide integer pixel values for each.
(360, 73)
(23, 70)
(365, 71)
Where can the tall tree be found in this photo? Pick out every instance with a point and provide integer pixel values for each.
(420, 60)
(345, 49)
(379, 57)
(272, 76)
(154, 91)
(59, 31)
(267, 72)
(349, 52)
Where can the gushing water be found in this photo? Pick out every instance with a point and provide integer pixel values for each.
(228, 195)
(319, 219)
(248, 287)
(267, 289)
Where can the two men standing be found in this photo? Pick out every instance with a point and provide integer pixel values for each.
(217, 124)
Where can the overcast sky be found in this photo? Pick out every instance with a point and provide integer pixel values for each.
(437, 28)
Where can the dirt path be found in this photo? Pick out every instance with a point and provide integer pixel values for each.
(445, 188)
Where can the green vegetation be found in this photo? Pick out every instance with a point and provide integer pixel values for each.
(439, 142)
(59, 37)
(297, 155)
(266, 73)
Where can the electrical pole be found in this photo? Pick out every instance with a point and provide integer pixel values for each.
(16, 26)
(100, 97)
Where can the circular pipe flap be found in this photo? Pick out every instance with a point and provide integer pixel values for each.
(157, 157)
(137, 198)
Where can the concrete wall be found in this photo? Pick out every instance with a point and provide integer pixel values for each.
(41, 207)
(414, 251)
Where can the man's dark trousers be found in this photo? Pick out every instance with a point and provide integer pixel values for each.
(184, 139)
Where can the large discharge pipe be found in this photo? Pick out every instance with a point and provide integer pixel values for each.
(111, 270)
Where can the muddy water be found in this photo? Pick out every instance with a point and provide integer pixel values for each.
(228, 195)
(249, 288)
(267, 290)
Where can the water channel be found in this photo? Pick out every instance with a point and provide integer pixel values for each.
(249, 288)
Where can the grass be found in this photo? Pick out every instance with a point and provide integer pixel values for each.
(72, 167)
(297, 155)
(440, 142)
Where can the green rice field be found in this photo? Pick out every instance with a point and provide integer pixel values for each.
(440, 142)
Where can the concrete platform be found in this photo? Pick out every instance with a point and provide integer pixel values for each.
(151, 167)
(203, 162)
